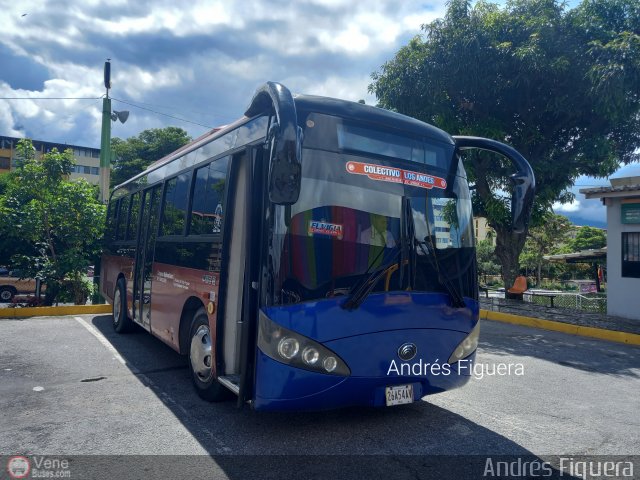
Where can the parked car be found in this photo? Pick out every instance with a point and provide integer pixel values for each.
(12, 284)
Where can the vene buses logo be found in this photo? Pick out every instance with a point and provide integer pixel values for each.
(18, 467)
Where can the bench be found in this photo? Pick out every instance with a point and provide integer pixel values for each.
(550, 296)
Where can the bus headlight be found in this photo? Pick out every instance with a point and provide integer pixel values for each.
(293, 349)
(288, 347)
(330, 364)
(467, 346)
(310, 356)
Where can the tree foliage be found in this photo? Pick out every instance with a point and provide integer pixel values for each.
(487, 260)
(588, 238)
(135, 154)
(57, 223)
(546, 238)
(561, 86)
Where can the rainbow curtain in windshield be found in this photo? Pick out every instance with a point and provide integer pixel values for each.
(326, 243)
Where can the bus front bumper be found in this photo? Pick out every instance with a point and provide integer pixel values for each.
(280, 387)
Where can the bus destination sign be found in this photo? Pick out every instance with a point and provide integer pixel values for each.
(396, 175)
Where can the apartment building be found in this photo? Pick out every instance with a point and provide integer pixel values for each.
(483, 231)
(87, 159)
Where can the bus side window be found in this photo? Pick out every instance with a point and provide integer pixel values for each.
(110, 230)
(175, 205)
(123, 217)
(208, 196)
(132, 231)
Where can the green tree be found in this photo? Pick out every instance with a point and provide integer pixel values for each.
(133, 155)
(559, 85)
(58, 222)
(588, 238)
(546, 238)
(487, 260)
(11, 245)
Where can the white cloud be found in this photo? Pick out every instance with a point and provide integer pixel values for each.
(567, 207)
(354, 89)
(201, 61)
(582, 211)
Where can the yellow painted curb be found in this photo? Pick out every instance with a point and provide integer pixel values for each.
(592, 332)
(53, 311)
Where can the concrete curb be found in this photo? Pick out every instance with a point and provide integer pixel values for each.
(591, 332)
(53, 311)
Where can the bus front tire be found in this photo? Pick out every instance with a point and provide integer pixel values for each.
(201, 360)
(121, 321)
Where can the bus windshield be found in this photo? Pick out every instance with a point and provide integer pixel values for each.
(348, 222)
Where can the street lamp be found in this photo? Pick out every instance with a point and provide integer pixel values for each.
(105, 139)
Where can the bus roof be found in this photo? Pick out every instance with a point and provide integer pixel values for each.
(370, 114)
(326, 105)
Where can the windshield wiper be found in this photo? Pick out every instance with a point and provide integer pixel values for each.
(409, 239)
(456, 297)
(362, 290)
(457, 300)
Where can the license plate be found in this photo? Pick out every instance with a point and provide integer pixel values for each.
(399, 394)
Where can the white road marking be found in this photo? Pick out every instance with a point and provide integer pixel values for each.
(38, 389)
(94, 331)
(165, 398)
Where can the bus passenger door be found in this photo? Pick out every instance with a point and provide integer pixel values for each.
(144, 256)
(254, 246)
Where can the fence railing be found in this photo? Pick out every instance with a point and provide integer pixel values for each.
(578, 301)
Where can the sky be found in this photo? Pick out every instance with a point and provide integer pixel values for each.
(195, 64)
(199, 61)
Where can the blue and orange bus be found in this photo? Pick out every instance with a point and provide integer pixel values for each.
(315, 254)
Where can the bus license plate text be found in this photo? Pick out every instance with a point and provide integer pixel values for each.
(399, 394)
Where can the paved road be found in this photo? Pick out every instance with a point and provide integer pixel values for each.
(71, 386)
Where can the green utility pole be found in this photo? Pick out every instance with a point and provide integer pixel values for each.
(105, 140)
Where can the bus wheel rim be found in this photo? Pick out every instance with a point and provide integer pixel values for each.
(201, 353)
(116, 307)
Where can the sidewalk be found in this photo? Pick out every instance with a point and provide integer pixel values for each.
(562, 315)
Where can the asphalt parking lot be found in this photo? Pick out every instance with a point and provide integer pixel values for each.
(71, 386)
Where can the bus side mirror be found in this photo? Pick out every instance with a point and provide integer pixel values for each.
(284, 141)
(285, 171)
(524, 180)
(521, 201)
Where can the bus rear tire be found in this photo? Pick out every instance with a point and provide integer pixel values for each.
(202, 358)
(121, 321)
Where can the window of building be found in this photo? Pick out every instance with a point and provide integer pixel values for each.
(208, 197)
(631, 254)
(175, 205)
(95, 171)
(5, 162)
